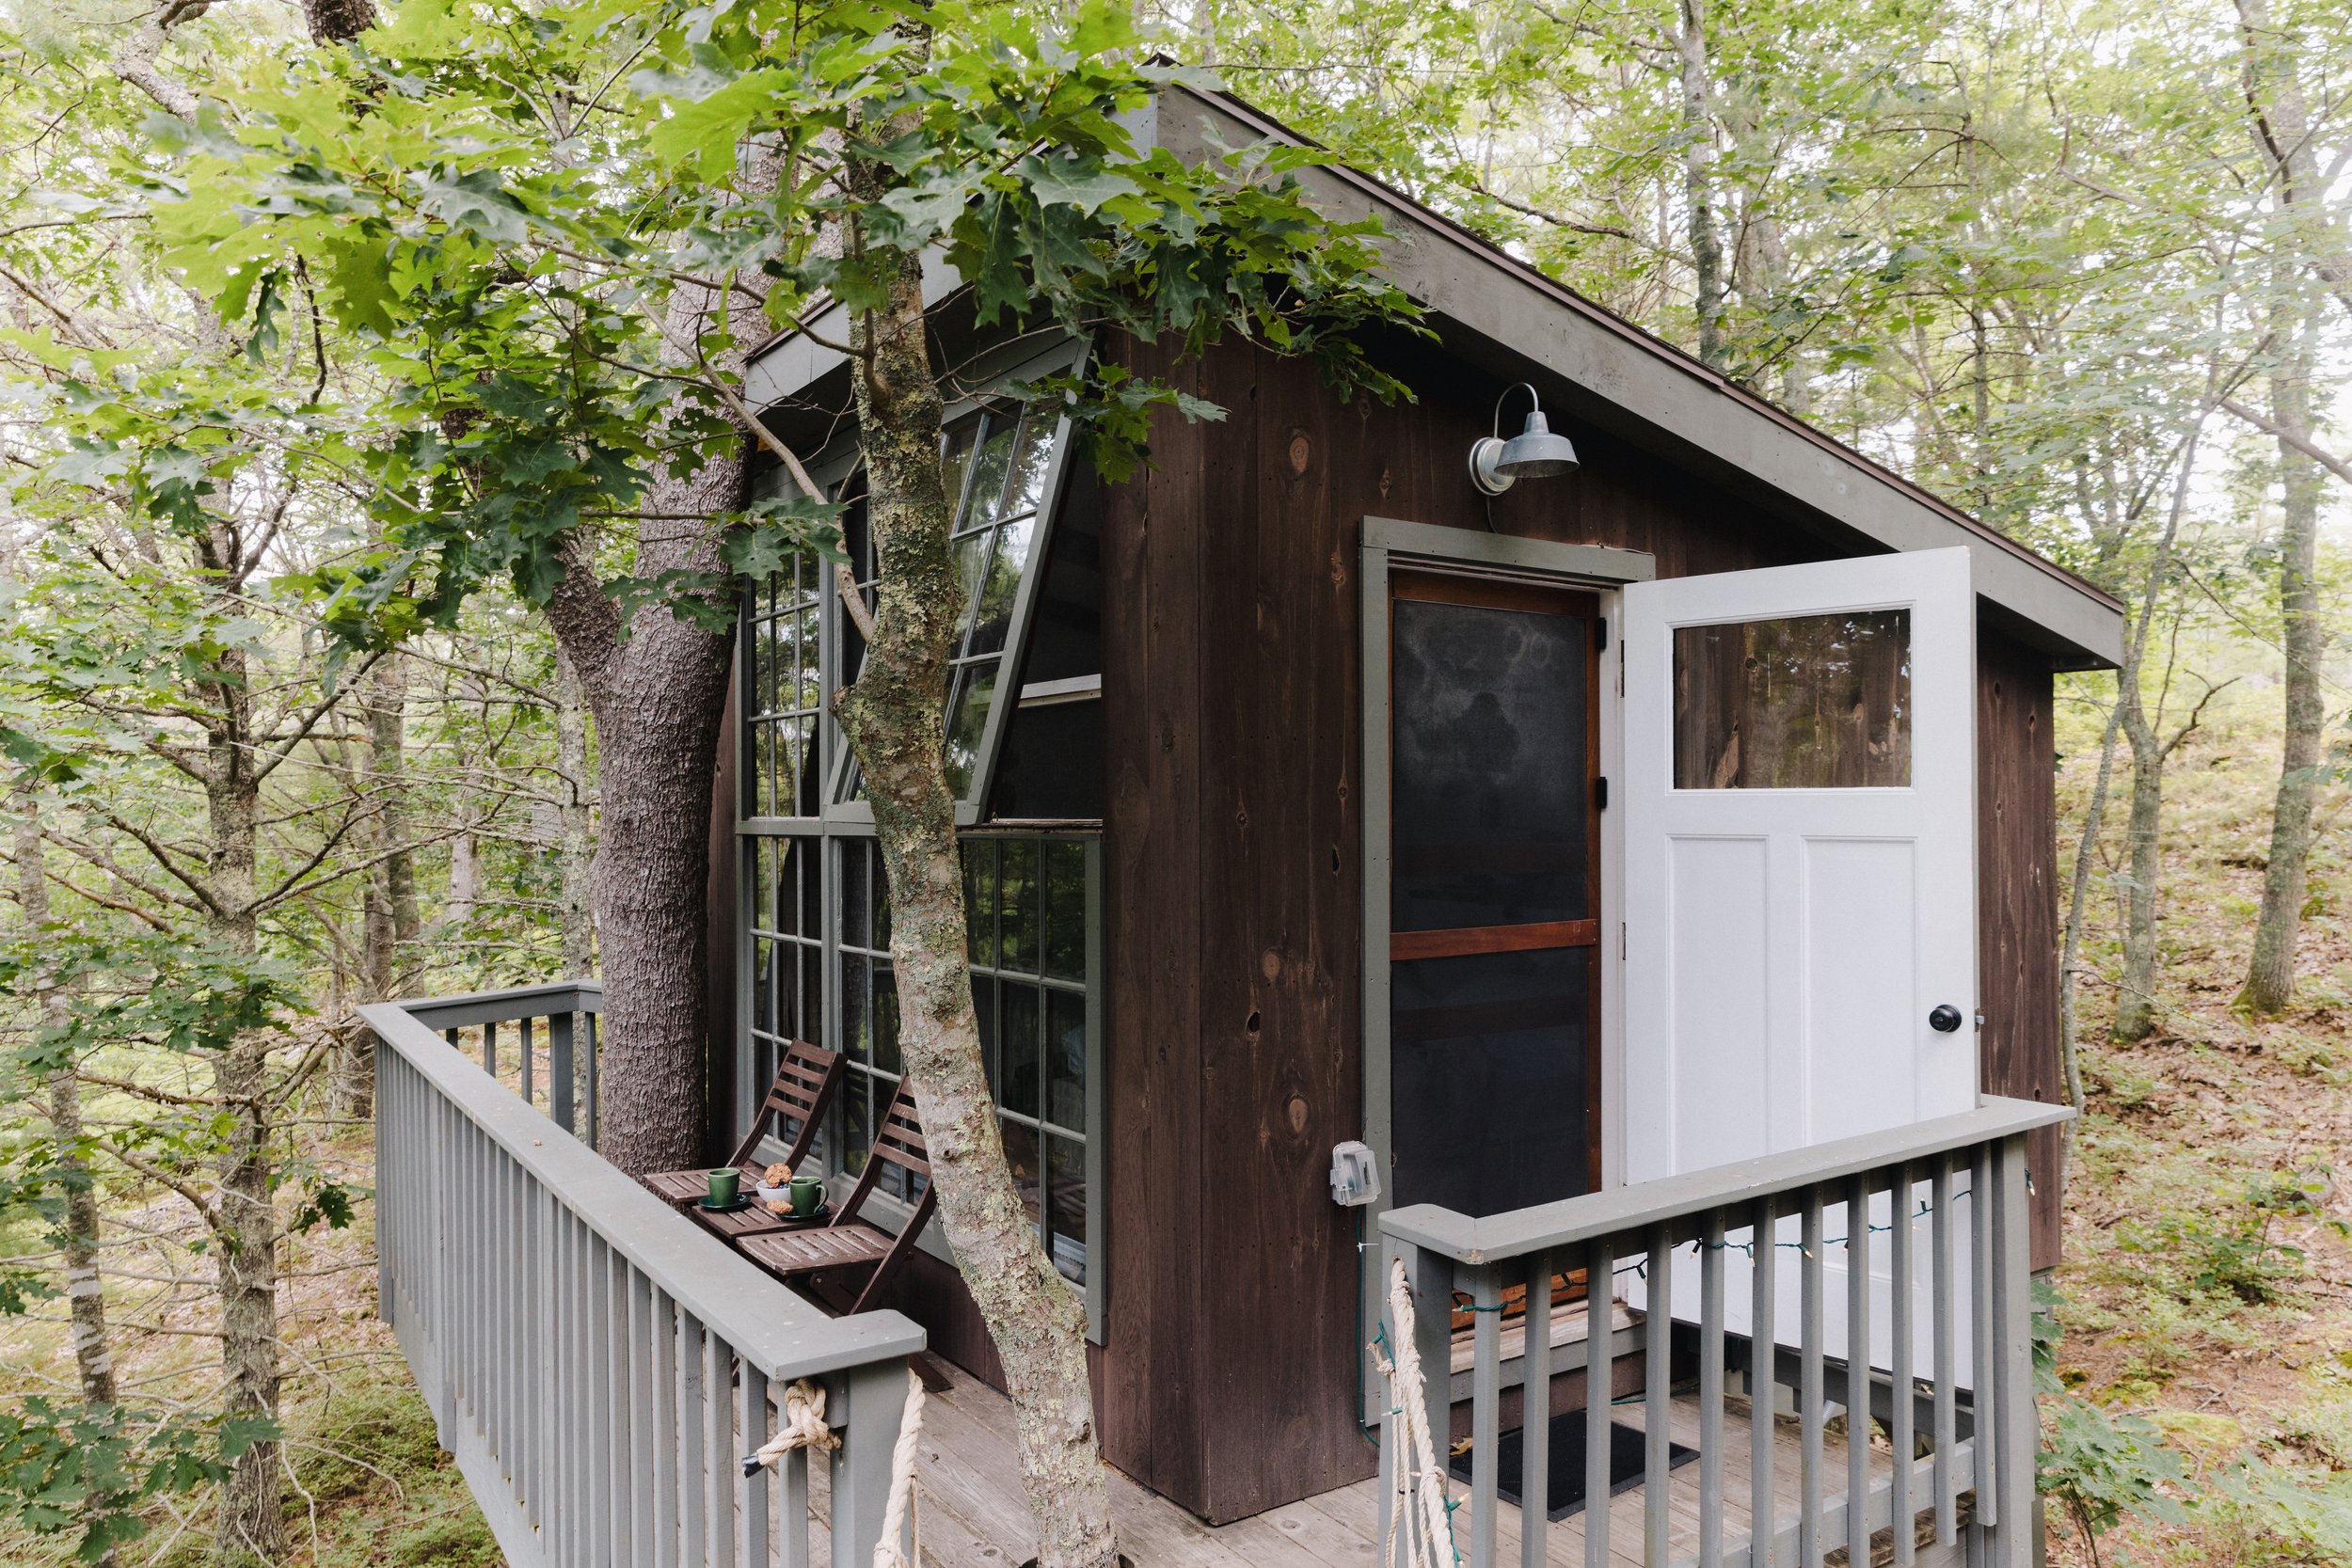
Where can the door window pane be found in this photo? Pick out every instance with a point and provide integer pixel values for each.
(1806, 702)
(1489, 767)
(1487, 1079)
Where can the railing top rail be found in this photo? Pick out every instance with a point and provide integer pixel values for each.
(498, 1007)
(1549, 1225)
(779, 1333)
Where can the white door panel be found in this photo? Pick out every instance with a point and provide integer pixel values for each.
(1800, 851)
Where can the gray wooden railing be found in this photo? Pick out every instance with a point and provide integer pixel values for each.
(1953, 1393)
(597, 1363)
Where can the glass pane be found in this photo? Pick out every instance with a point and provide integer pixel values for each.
(1488, 1097)
(957, 447)
(885, 1019)
(988, 474)
(1018, 1027)
(1066, 1060)
(857, 978)
(970, 555)
(857, 1120)
(976, 695)
(805, 692)
(1066, 909)
(799, 1020)
(1027, 486)
(761, 786)
(879, 881)
(994, 620)
(810, 883)
(1018, 903)
(763, 983)
(809, 766)
(979, 899)
(1810, 702)
(763, 666)
(764, 855)
(791, 766)
(1489, 767)
(855, 928)
(1067, 1191)
(984, 1008)
(1021, 1154)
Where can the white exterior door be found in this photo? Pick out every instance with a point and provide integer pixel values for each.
(1800, 960)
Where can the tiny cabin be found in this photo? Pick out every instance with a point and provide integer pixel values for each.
(1544, 832)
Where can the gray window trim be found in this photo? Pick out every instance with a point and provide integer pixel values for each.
(1389, 543)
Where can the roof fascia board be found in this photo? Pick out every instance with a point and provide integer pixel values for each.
(1685, 411)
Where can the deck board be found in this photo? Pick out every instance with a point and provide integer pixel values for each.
(974, 1515)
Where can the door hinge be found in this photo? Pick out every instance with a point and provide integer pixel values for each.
(1600, 793)
(1620, 938)
(1601, 630)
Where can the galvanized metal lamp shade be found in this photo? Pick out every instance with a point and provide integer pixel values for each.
(1536, 452)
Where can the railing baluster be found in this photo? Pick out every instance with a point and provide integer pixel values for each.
(1858, 1368)
(718, 1375)
(490, 1049)
(1486, 1411)
(1902, 1518)
(1809, 1392)
(752, 1413)
(2019, 1432)
(694, 1462)
(1657, 1436)
(590, 1112)
(1711, 1391)
(649, 1438)
(664, 1352)
(1946, 1361)
(1763, 1353)
(1983, 1348)
(1601, 1263)
(621, 1455)
(560, 1070)
(1535, 1416)
(522, 1041)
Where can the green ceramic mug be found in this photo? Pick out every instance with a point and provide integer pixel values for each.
(809, 1195)
(724, 1184)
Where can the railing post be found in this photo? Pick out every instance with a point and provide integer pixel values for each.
(2019, 1434)
(870, 1401)
(1535, 1416)
(1486, 1287)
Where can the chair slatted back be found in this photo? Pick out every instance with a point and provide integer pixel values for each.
(897, 1141)
(807, 1078)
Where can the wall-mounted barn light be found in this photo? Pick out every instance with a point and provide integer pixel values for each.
(1535, 452)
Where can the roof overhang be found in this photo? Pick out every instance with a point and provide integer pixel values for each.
(1507, 317)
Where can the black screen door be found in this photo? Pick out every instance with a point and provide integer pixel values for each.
(1494, 844)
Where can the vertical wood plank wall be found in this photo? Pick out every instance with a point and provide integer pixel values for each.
(1233, 896)
(2017, 916)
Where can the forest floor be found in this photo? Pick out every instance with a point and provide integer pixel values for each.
(2207, 1277)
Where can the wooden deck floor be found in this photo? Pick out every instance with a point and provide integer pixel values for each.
(973, 1515)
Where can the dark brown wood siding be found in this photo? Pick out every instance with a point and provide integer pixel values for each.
(2017, 918)
(1234, 893)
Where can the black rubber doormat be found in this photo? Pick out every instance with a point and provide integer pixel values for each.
(1565, 1483)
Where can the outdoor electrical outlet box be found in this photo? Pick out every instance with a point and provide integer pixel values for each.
(1354, 1178)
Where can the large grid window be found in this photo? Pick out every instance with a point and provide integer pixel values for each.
(1032, 944)
(816, 950)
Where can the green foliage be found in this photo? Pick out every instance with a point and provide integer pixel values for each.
(73, 1468)
(2104, 1466)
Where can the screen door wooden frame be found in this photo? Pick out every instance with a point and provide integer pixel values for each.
(1481, 591)
(1387, 546)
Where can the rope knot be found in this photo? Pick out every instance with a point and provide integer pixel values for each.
(803, 1427)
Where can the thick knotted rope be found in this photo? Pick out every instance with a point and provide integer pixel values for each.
(803, 1427)
(1417, 1478)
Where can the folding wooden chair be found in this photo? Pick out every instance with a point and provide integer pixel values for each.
(851, 1243)
(807, 1078)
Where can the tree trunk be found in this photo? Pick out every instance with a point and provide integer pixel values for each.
(86, 1296)
(1698, 181)
(892, 716)
(389, 900)
(2136, 1006)
(2270, 973)
(251, 1524)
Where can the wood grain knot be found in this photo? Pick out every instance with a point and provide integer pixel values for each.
(1270, 964)
(1300, 452)
(1297, 1111)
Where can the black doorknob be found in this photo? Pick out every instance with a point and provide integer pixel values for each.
(1944, 1019)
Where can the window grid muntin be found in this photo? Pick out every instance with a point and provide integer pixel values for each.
(785, 682)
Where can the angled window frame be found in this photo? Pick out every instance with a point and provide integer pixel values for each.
(989, 376)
